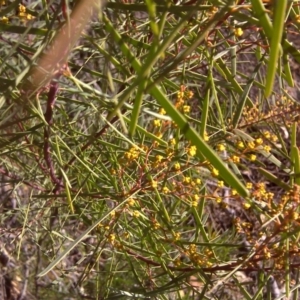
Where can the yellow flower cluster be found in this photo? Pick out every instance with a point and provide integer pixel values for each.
(22, 14)
(159, 158)
(206, 137)
(214, 172)
(154, 184)
(221, 147)
(155, 225)
(162, 112)
(165, 190)
(238, 32)
(248, 147)
(177, 166)
(192, 151)
(235, 159)
(132, 153)
(177, 236)
(131, 202)
(111, 238)
(202, 259)
(136, 214)
(182, 96)
(187, 180)
(4, 20)
(156, 123)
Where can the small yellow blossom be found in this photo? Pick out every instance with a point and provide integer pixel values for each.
(159, 158)
(249, 185)
(274, 138)
(131, 202)
(221, 147)
(240, 145)
(186, 109)
(22, 8)
(267, 134)
(220, 183)
(192, 151)
(4, 20)
(165, 190)
(198, 181)
(180, 95)
(261, 186)
(128, 155)
(194, 203)
(238, 32)
(154, 184)
(177, 236)
(126, 235)
(295, 215)
(156, 122)
(235, 159)
(219, 199)
(136, 213)
(100, 225)
(215, 172)
(267, 255)
(24, 15)
(190, 94)
(187, 180)
(251, 145)
(172, 142)
(247, 205)
(234, 192)
(177, 166)
(111, 238)
(177, 262)
(192, 248)
(206, 137)
(159, 135)
(156, 225)
(267, 148)
(169, 152)
(179, 103)
(132, 153)
(253, 157)
(196, 197)
(30, 17)
(174, 125)
(162, 111)
(259, 141)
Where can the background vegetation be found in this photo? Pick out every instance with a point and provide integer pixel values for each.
(149, 149)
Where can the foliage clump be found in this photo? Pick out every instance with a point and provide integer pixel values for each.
(146, 156)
